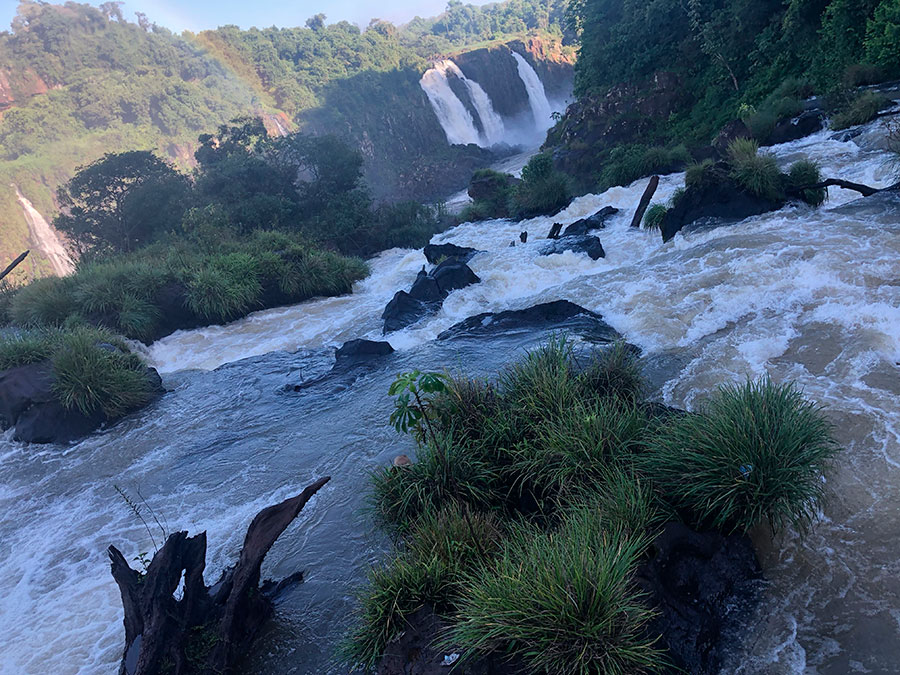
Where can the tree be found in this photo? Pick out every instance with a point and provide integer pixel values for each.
(325, 167)
(316, 22)
(121, 202)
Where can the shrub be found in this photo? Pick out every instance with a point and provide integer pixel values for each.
(616, 372)
(756, 453)
(756, 172)
(654, 217)
(806, 172)
(543, 190)
(562, 602)
(226, 288)
(476, 212)
(439, 478)
(864, 108)
(44, 302)
(628, 163)
(405, 585)
(95, 373)
(699, 175)
(455, 535)
(861, 75)
(7, 291)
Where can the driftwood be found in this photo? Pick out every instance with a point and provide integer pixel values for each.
(207, 629)
(13, 265)
(554, 231)
(864, 190)
(645, 201)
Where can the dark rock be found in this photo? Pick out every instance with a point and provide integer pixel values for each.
(557, 314)
(425, 289)
(595, 222)
(435, 253)
(555, 229)
(523, 237)
(404, 310)
(579, 244)
(701, 583)
(414, 653)
(452, 275)
(722, 200)
(807, 124)
(492, 188)
(730, 132)
(362, 349)
(847, 135)
(29, 403)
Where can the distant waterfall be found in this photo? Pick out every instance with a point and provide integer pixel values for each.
(455, 119)
(537, 96)
(45, 237)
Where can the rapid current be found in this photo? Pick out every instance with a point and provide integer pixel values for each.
(806, 295)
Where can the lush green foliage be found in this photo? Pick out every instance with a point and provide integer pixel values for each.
(757, 172)
(543, 190)
(627, 163)
(859, 110)
(562, 601)
(93, 370)
(534, 497)
(756, 453)
(804, 173)
(653, 219)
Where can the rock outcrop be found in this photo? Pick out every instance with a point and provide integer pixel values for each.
(30, 404)
(351, 360)
(586, 244)
(593, 222)
(427, 294)
(437, 253)
(560, 314)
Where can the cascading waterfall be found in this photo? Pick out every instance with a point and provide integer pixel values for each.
(537, 95)
(494, 130)
(456, 121)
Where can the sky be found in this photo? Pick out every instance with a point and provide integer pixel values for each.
(197, 15)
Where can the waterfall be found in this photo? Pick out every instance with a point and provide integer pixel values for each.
(456, 121)
(537, 96)
(45, 237)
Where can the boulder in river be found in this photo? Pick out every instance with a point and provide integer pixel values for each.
(560, 314)
(595, 222)
(350, 360)
(578, 244)
(787, 130)
(29, 402)
(723, 200)
(427, 293)
(435, 253)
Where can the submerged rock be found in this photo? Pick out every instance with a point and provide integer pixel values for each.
(29, 402)
(404, 310)
(558, 314)
(350, 361)
(356, 350)
(595, 222)
(701, 583)
(578, 244)
(435, 253)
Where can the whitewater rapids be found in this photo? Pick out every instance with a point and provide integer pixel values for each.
(809, 295)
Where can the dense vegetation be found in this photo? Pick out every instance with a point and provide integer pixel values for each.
(78, 82)
(722, 61)
(516, 479)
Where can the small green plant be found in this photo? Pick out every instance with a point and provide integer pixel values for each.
(756, 453)
(563, 602)
(414, 391)
(615, 372)
(756, 172)
(654, 217)
(137, 511)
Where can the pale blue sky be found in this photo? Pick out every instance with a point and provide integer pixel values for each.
(196, 15)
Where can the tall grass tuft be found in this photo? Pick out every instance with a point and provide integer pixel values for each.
(654, 217)
(616, 372)
(563, 602)
(756, 453)
(44, 302)
(806, 172)
(756, 172)
(862, 109)
(96, 374)
(25, 347)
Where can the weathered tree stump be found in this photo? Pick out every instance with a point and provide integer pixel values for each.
(208, 628)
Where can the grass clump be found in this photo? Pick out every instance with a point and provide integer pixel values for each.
(628, 163)
(699, 175)
(756, 172)
(25, 347)
(803, 173)
(860, 110)
(563, 601)
(756, 453)
(542, 191)
(654, 217)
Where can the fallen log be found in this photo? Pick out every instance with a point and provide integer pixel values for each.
(554, 231)
(205, 631)
(645, 201)
(13, 265)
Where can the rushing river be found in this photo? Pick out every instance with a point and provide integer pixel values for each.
(802, 294)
